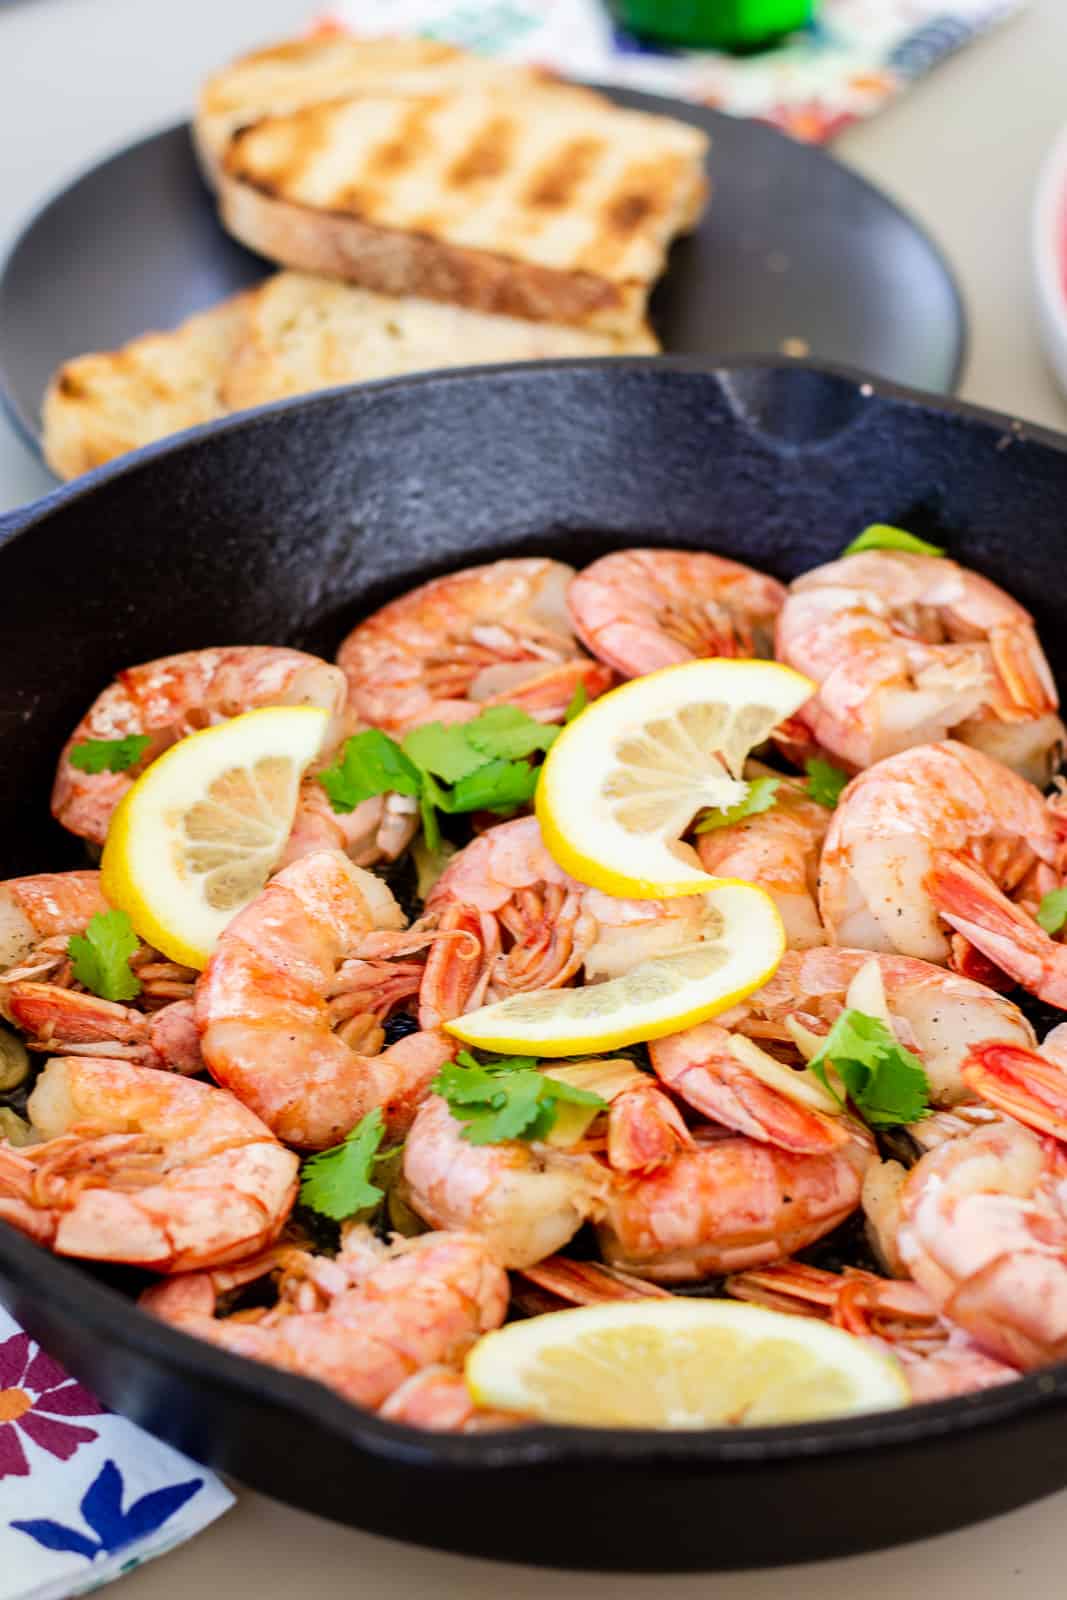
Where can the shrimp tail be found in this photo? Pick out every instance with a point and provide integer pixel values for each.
(459, 965)
(645, 1130)
(971, 903)
(700, 1066)
(587, 1283)
(1021, 1084)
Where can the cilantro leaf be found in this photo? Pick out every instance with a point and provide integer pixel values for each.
(101, 956)
(826, 783)
(1052, 912)
(498, 786)
(760, 797)
(880, 536)
(109, 755)
(337, 1183)
(370, 763)
(885, 1082)
(508, 733)
(577, 704)
(505, 1099)
(447, 752)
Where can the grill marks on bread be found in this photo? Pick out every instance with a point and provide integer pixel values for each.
(569, 187)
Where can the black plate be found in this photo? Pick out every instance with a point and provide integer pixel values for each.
(794, 246)
(284, 525)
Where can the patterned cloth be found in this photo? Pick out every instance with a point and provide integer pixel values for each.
(84, 1495)
(856, 57)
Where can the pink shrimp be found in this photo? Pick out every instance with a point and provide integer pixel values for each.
(517, 921)
(638, 610)
(907, 649)
(983, 1218)
(721, 1067)
(476, 638)
(273, 1014)
(144, 1167)
(943, 837)
(669, 1203)
(727, 1204)
(66, 1022)
(40, 994)
(175, 695)
(939, 1361)
(364, 1323)
(778, 850)
(526, 1200)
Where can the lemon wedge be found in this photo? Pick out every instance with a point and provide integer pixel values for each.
(625, 779)
(681, 1363)
(743, 942)
(196, 837)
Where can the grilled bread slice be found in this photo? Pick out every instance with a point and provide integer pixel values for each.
(301, 72)
(290, 334)
(533, 205)
(304, 332)
(99, 406)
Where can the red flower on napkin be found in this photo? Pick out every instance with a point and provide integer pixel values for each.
(34, 1392)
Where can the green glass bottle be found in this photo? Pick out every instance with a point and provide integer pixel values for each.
(715, 24)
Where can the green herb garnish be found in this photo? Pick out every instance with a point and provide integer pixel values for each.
(1052, 912)
(880, 536)
(458, 768)
(886, 1083)
(337, 1183)
(826, 783)
(506, 1098)
(370, 763)
(101, 956)
(760, 797)
(577, 704)
(109, 755)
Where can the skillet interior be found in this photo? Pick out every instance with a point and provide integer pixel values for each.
(284, 526)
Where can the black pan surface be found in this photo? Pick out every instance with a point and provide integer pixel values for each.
(794, 247)
(285, 525)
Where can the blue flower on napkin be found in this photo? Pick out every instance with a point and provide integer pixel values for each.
(101, 1506)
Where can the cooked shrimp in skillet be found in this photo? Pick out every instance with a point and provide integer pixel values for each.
(39, 992)
(365, 1322)
(907, 649)
(983, 1219)
(492, 635)
(275, 1018)
(638, 610)
(176, 695)
(516, 921)
(778, 850)
(723, 1068)
(146, 1168)
(944, 838)
(939, 1361)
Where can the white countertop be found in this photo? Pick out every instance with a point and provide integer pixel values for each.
(79, 78)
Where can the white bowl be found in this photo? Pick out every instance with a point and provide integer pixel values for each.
(1048, 245)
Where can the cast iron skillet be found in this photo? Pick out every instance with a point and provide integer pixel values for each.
(284, 526)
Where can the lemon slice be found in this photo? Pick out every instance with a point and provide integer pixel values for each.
(196, 837)
(743, 944)
(624, 780)
(680, 1363)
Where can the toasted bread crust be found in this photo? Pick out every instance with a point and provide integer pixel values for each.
(99, 406)
(298, 72)
(305, 333)
(290, 335)
(398, 263)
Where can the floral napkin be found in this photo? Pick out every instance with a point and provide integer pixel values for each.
(84, 1495)
(856, 57)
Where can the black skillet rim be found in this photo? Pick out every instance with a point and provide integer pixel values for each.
(79, 1299)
